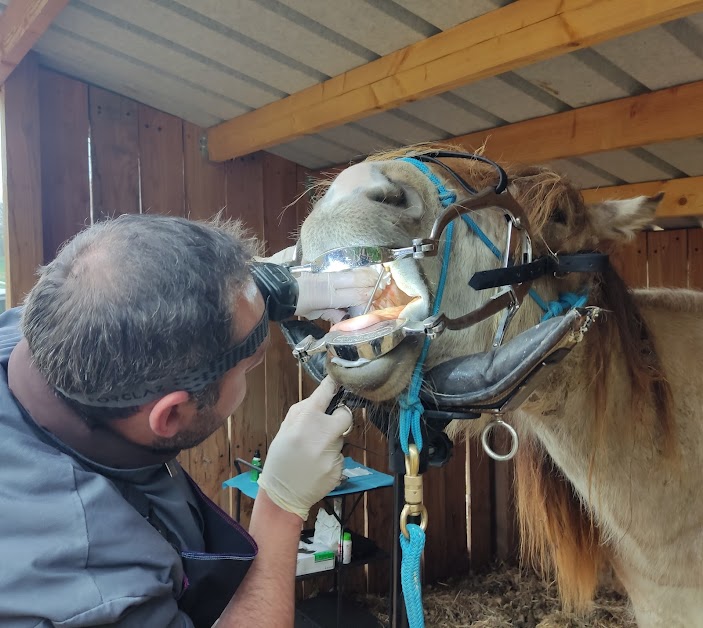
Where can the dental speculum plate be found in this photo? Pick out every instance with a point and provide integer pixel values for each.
(354, 348)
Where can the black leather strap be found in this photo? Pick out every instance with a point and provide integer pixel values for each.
(514, 275)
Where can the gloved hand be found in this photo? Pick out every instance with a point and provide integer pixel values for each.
(328, 295)
(305, 461)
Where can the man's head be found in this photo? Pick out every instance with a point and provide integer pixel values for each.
(145, 298)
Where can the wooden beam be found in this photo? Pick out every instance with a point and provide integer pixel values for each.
(682, 197)
(663, 116)
(511, 37)
(22, 181)
(22, 23)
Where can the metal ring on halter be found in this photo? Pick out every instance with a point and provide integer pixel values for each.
(513, 438)
(351, 414)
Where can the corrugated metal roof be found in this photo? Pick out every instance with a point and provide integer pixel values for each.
(208, 61)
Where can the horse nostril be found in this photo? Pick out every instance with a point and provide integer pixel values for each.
(389, 194)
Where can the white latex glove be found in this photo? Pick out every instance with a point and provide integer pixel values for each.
(305, 461)
(328, 295)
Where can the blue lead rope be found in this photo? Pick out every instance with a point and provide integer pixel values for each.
(412, 549)
(410, 414)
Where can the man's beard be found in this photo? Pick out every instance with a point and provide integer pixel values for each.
(205, 423)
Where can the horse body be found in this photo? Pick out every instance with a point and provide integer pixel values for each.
(611, 458)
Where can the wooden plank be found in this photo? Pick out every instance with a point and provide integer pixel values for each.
(456, 520)
(280, 186)
(480, 506)
(436, 540)
(502, 40)
(695, 259)
(630, 261)
(63, 105)
(114, 150)
(682, 197)
(667, 258)
(355, 580)
(380, 527)
(210, 464)
(21, 175)
(22, 23)
(506, 540)
(245, 201)
(666, 115)
(161, 162)
(205, 182)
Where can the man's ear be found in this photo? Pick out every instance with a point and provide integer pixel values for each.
(171, 413)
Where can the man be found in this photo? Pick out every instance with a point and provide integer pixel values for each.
(133, 345)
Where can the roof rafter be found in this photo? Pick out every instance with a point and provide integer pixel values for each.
(666, 115)
(22, 23)
(513, 36)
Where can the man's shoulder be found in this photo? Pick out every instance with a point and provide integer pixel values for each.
(69, 532)
(10, 333)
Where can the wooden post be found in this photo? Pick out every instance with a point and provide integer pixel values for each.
(24, 248)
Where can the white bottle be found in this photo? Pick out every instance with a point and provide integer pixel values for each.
(346, 548)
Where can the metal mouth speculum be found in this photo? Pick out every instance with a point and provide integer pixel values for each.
(360, 347)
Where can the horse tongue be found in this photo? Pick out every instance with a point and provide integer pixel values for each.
(362, 322)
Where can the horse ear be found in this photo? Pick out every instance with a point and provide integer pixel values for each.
(621, 220)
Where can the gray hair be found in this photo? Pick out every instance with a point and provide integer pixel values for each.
(133, 299)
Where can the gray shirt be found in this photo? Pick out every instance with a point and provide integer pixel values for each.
(74, 551)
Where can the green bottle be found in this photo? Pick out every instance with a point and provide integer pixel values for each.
(256, 462)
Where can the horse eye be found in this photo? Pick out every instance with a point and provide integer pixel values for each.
(558, 215)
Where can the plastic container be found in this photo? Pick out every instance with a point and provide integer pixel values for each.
(256, 462)
(346, 548)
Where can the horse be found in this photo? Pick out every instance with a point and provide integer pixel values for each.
(610, 462)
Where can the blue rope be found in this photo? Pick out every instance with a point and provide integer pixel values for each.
(565, 302)
(410, 574)
(410, 415)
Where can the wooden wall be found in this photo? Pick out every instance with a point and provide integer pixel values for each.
(94, 154)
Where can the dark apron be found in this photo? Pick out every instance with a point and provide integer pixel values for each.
(211, 577)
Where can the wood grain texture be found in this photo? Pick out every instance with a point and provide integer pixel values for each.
(379, 511)
(63, 105)
(210, 464)
(455, 514)
(667, 258)
(695, 259)
(22, 23)
(507, 38)
(280, 221)
(630, 261)
(22, 182)
(245, 202)
(661, 116)
(480, 506)
(682, 197)
(205, 181)
(114, 150)
(161, 162)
